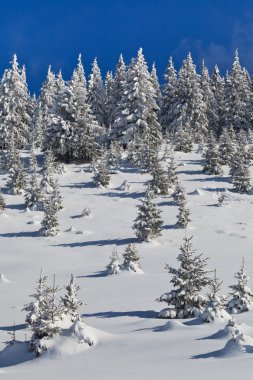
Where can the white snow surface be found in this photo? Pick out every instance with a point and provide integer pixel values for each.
(120, 312)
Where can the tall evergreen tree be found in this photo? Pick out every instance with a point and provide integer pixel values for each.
(212, 161)
(218, 88)
(131, 259)
(15, 117)
(97, 94)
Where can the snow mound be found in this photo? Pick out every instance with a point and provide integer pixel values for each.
(71, 229)
(237, 346)
(3, 279)
(197, 191)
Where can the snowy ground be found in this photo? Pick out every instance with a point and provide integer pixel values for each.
(121, 312)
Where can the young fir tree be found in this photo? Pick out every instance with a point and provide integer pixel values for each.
(109, 82)
(113, 267)
(17, 176)
(15, 117)
(159, 182)
(70, 303)
(189, 279)
(118, 89)
(241, 178)
(97, 94)
(33, 196)
(47, 323)
(148, 223)
(183, 141)
(242, 296)
(2, 203)
(49, 224)
(212, 164)
(217, 86)
(226, 146)
(216, 305)
(156, 85)
(101, 176)
(131, 260)
(179, 194)
(183, 218)
(171, 172)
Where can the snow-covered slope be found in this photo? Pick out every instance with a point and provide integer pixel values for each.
(121, 312)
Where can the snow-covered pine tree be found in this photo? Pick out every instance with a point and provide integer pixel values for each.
(148, 223)
(190, 108)
(241, 178)
(17, 176)
(97, 94)
(131, 260)
(212, 164)
(183, 218)
(156, 85)
(2, 203)
(242, 296)
(167, 112)
(70, 303)
(171, 172)
(238, 99)
(179, 194)
(217, 86)
(33, 196)
(49, 224)
(47, 322)
(15, 102)
(185, 300)
(182, 139)
(45, 112)
(216, 305)
(101, 176)
(212, 107)
(113, 267)
(226, 147)
(136, 112)
(86, 133)
(159, 182)
(110, 101)
(49, 169)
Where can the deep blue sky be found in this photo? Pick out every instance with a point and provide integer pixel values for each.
(44, 32)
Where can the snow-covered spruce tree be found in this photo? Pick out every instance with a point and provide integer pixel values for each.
(167, 112)
(49, 224)
(212, 107)
(183, 218)
(159, 182)
(242, 296)
(117, 89)
(97, 94)
(49, 169)
(191, 110)
(156, 85)
(70, 303)
(113, 156)
(212, 164)
(101, 176)
(148, 223)
(33, 308)
(2, 203)
(237, 99)
(217, 84)
(15, 101)
(110, 105)
(216, 305)
(179, 194)
(47, 324)
(86, 133)
(185, 300)
(182, 139)
(33, 196)
(131, 260)
(113, 267)
(171, 172)
(226, 147)
(136, 112)
(17, 176)
(241, 178)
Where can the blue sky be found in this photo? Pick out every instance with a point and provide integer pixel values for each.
(44, 32)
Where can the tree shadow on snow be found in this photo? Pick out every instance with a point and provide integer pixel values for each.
(190, 172)
(114, 314)
(95, 275)
(81, 185)
(20, 234)
(17, 327)
(100, 243)
(213, 178)
(168, 203)
(20, 206)
(119, 194)
(194, 322)
(14, 354)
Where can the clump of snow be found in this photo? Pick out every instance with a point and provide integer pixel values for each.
(71, 229)
(3, 279)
